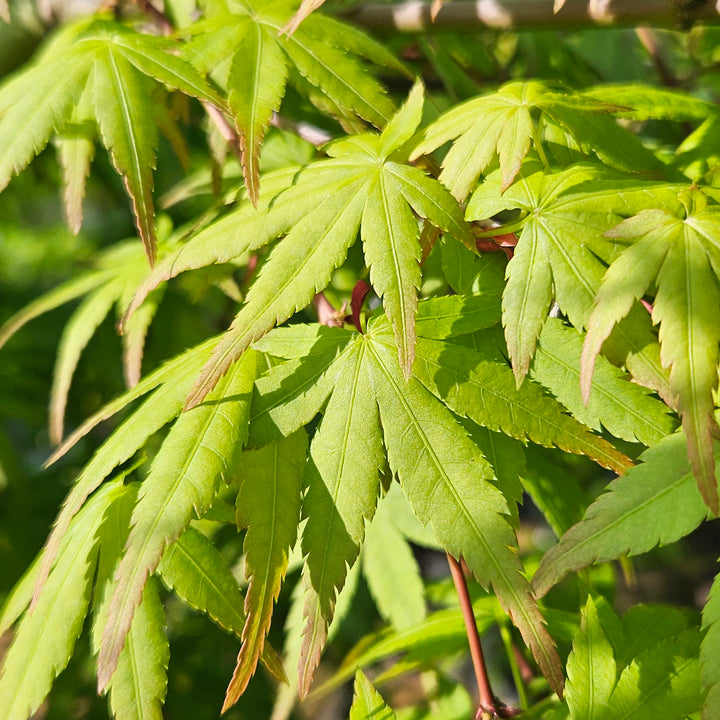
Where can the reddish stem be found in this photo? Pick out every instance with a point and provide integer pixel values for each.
(487, 699)
(489, 707)
(359, 292)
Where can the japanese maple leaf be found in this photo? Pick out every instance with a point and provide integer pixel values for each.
(506, 123)
(243, 46)
(104, 73)
(676, 250)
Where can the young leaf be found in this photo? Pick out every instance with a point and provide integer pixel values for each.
(50, 91)
(115, 66)
(184, 478)
(343, 485)
(367, 701)
(248, 50)
(653, 503)
(502, 124)
(46, 636)
(680, 253)
(560, 247)
(590, 667)
(268, 505)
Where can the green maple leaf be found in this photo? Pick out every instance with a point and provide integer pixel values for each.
(105, 73)
(365, 186)
(559, 251)
(591, 667)
(664, 680)
(428, 449)
(676, 250)
(626, 409)
(245, 47)
(506, 123)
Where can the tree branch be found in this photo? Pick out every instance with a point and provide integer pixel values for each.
(415, 16)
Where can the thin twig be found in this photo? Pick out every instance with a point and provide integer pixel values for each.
(649, 42)
(157, 15)
(487, 699)
(414, 16)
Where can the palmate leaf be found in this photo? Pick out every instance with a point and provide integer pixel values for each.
(679, 253)
(655, 502)
(447, 481)
(46, 636)
(184, 478)
(558, 252)
(246, 48)
(502, 124)
(268, 505)
(113, 69)
(442, 471)
(370, 192)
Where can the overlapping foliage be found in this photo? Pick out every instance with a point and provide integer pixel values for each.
(545, 288)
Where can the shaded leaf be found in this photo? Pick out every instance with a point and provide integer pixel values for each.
(195, 570)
